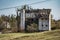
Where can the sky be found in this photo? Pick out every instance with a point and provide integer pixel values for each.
(54, 5)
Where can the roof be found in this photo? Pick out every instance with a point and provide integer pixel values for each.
(38, 11)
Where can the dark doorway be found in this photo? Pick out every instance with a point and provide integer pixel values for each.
(29, 22)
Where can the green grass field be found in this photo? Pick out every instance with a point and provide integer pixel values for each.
(47, 35)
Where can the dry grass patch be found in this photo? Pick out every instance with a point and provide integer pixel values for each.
(47, 35)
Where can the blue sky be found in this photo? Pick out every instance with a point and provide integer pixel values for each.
(52, 4)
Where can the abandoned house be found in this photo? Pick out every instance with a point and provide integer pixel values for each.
(28, 16)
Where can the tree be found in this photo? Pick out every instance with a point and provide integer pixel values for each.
(13, 23)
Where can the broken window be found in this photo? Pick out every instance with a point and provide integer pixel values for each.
(42, 25)
(46, 25)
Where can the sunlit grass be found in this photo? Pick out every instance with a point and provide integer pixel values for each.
(47, 35)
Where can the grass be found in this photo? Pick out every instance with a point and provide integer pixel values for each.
(47, 35)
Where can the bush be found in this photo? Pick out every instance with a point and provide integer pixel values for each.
(32, 28)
